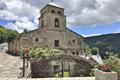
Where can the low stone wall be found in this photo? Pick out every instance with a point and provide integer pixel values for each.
(46, 67)
(100, 75)
(40, 68)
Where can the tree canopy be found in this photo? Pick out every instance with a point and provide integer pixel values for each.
(114, 61)
(91, 50)
(7, 35)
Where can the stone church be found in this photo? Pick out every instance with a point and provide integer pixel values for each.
(52, 33)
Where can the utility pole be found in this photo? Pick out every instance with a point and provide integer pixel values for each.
(23, 64)
(62, 69)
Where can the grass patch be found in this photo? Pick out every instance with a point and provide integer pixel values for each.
(66, 74)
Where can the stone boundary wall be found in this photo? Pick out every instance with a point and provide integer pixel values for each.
(71, 78)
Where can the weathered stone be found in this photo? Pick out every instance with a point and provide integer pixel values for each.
(44, 37)
(101, 75)
(45, 67)
(41, 68)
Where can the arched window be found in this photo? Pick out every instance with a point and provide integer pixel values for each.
(57, 22)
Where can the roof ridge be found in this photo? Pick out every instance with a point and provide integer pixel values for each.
(54, 4)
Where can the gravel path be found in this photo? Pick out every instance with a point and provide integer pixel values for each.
(9, 66)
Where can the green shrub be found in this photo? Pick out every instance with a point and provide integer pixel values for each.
(114, 61)
(40, 52)
(91, 50)
(92, 73)
(94, 51)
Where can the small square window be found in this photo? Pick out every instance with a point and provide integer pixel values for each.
(73, 53)
(73, 41)
(52, 11)
(59, 12)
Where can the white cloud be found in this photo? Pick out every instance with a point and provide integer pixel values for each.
(101, 11)
(21, 8)
(86, 12)
(91, 35)
(25, 23)
(2, 5)
(6, 15)
(79, 12)
(20, 12)
(11, 26)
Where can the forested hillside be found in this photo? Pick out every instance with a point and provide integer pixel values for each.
(7, 35)
(108, 42)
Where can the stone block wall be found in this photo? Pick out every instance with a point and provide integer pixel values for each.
(44, 67)
(100, 75)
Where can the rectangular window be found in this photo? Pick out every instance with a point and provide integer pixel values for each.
(56, 43)
(42, 23)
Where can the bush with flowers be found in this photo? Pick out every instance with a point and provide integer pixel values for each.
(105, 68)
(114, 60)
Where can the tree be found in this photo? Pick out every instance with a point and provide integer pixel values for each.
(2, 35)
(11, 35)
(114, 61)
(7, 35)
(87, 50)
(25, 31)
(94, 51)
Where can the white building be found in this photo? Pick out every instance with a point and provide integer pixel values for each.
(3, 47)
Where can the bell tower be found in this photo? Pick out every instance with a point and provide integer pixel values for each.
(52, 17)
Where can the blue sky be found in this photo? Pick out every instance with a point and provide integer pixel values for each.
(86, 17)
(97, 29)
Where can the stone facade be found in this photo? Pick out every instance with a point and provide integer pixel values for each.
(52, 33)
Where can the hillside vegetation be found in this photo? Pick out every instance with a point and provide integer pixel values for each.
(7, 35)
(108, 42)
